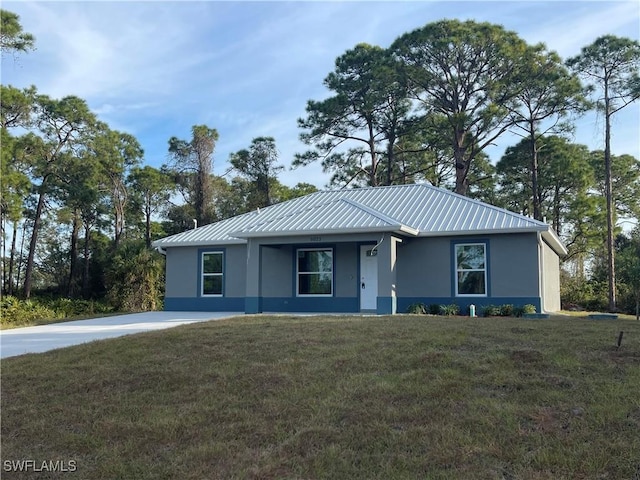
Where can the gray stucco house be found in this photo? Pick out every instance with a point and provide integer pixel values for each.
(364, 250)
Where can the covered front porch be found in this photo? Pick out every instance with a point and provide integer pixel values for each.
(329, 273)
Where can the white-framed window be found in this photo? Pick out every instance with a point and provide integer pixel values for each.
(471, 269)
(314, 271)
(212, 273)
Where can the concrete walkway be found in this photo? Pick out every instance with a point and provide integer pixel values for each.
(42, 338)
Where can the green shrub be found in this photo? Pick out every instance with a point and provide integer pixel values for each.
(449, 310)
(434, 309)
(582, 293)
(417, 308)
(490, 311)
(135, 278)
(506, 310)
(524, 310)
(16, 312)
(66, 307)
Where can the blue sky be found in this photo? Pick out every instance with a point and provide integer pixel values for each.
(154, 69)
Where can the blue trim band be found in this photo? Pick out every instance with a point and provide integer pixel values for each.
(252, 305)
(204, 304)
(311, 304)
(386, 305)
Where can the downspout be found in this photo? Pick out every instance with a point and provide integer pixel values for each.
(541, 273)
(161, 251)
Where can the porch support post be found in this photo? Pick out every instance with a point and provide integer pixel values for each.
(387, 275)
(253, 297)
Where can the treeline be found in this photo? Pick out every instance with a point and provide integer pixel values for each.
(427, 108)
(80, 208)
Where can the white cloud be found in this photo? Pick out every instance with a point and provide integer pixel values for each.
(573, 25)
(154, 69)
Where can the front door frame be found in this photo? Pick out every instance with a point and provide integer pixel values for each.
(366, 278)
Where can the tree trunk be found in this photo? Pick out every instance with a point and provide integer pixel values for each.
(24, 231)
(556, 211)
(119, 203)
(373, 180)
(462, 166)
(28, 273)
(73, 254)
(611, 267)
(462, 183)
(266, 188)
(391, 140)
(147, 229)
(85, 270)
(389, 162)
(537, 210)
(12, 258)
(4, 256)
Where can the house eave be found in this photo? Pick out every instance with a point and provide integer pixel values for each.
(198, 243)
(497, 231)
(241, 237)
(554, 242)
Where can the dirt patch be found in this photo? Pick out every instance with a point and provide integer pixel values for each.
(526, 357)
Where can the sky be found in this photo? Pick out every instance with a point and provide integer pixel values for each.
(156, 68)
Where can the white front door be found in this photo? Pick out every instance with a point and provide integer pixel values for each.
(368, 278)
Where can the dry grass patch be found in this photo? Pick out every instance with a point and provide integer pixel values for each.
(335, 397)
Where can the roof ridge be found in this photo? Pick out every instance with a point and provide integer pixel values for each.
(312, 206)
(372, 211)
(377, 187)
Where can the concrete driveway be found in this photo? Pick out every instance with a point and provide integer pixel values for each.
(42, 338)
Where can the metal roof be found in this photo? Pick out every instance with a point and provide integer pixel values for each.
(415, 210)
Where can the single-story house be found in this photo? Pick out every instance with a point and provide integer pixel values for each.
(376, 249)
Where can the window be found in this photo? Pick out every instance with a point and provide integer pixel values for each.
(315, 271)
(471, 269)
(212, 273)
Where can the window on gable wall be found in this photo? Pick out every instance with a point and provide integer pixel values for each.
(315, 271)
(212, 273)
(471, 269)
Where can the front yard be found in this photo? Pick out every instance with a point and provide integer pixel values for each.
(334, 397)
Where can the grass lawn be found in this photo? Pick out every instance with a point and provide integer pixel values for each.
(269, 397)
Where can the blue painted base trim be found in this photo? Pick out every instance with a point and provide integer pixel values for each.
(252, 305)
(204, 304)
(311, 304)
(387, 305)
(463, 303)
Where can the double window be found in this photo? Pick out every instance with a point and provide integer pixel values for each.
(471, 269)
(212, 273)
(314, 271)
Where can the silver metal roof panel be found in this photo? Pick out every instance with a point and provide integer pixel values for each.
(415, 209)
